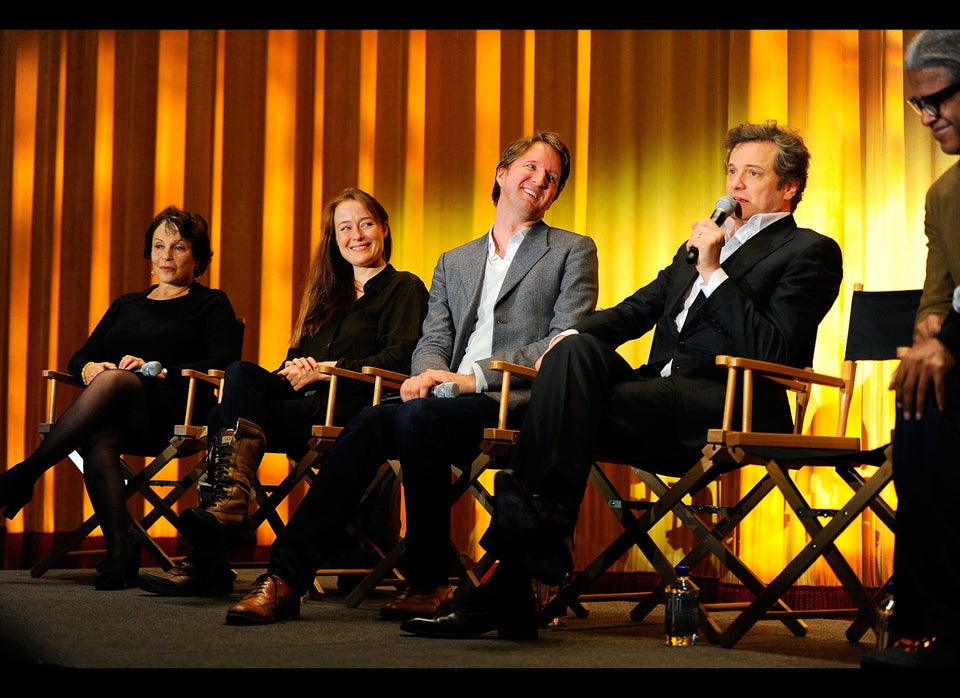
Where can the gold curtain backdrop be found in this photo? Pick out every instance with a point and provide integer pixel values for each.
(256, 129)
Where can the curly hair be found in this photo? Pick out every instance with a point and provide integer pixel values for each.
(192, 228)
(793, 159)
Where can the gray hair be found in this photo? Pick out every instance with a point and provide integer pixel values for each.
(935, 48)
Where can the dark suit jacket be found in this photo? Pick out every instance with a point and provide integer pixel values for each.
(782, 283)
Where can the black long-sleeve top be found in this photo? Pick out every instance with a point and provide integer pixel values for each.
(198, 330)
(380, 329)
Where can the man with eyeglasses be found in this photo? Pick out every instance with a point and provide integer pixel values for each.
(926, 442)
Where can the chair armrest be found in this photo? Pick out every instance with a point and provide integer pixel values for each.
(798, 380)
(514, 369)
(345, 373)
(62, 377)
(55, 378)
(787, 374)
(213, 378)
(509, 369)
(391, 379)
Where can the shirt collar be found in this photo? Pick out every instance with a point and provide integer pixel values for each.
(512, 244)
(757, 222)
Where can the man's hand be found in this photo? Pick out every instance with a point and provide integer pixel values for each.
(926, 329)
(420, 385)
(922, 366)
(709, 239)
(553, 343)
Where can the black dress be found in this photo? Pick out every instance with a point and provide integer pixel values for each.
(198, 330)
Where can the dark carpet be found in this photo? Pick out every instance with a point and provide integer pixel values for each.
(59, 622)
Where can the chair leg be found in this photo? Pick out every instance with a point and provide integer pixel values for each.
(821, 541)
(136, 482)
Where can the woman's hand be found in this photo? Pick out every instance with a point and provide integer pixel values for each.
(92, 369)
(129, 362)
(302, 371)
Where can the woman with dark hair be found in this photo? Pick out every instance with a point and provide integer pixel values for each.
(176, 322)
(357, 310)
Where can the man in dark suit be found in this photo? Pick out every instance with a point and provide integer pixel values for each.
(504, 296)
(759, 288)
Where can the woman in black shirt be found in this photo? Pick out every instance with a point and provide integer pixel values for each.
(357, 310)
(178, 323)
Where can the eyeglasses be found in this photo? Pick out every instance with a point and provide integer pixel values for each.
(931, 103)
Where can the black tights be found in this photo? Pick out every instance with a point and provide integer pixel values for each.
(108, 417)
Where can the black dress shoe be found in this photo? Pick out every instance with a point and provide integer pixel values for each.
(117, 572)
(513, 619)
(529, 529)
(452, 624)
(16, 490)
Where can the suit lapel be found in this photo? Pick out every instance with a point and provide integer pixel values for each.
(759, 246)
(533, 247)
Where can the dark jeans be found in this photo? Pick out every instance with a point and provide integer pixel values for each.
(926, 559)
(427, 436)
(260, 396)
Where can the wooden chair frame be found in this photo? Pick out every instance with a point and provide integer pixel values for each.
(729, 448)
(269, 496)
(188, 440)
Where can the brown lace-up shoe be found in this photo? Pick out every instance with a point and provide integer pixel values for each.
(411, 604)
(271, 599)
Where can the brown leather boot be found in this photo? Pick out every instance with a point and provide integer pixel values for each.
(271, 599)
(238, 454)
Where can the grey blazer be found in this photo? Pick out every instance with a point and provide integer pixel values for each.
(552, 283)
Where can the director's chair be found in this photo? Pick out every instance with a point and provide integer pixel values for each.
(188, 440)
(269, 496)
(879, 323)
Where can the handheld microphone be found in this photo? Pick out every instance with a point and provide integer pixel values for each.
(724, 207)
(151, 369)
(448, 389)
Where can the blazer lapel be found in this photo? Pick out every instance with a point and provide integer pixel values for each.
(533, 247)
(759, 246)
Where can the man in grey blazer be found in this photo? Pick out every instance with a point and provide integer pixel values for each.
(502, 296)
(759, 287)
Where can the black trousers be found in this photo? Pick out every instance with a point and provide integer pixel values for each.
(426, 435)
(926, 558)
(588, 404)
(253, 393)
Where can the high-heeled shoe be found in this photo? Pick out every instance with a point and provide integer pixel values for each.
(116, 572)
(16, 490)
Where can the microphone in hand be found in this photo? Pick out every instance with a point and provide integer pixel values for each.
(151, 369)
(448, 389)
(724, 207)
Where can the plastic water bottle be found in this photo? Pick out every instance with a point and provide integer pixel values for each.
(884, 629)
(681, 613)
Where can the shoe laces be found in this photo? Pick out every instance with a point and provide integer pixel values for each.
(223, 456)
(183, 566)
(905, 644)
(260, 583)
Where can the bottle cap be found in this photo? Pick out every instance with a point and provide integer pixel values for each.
(683, 570)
